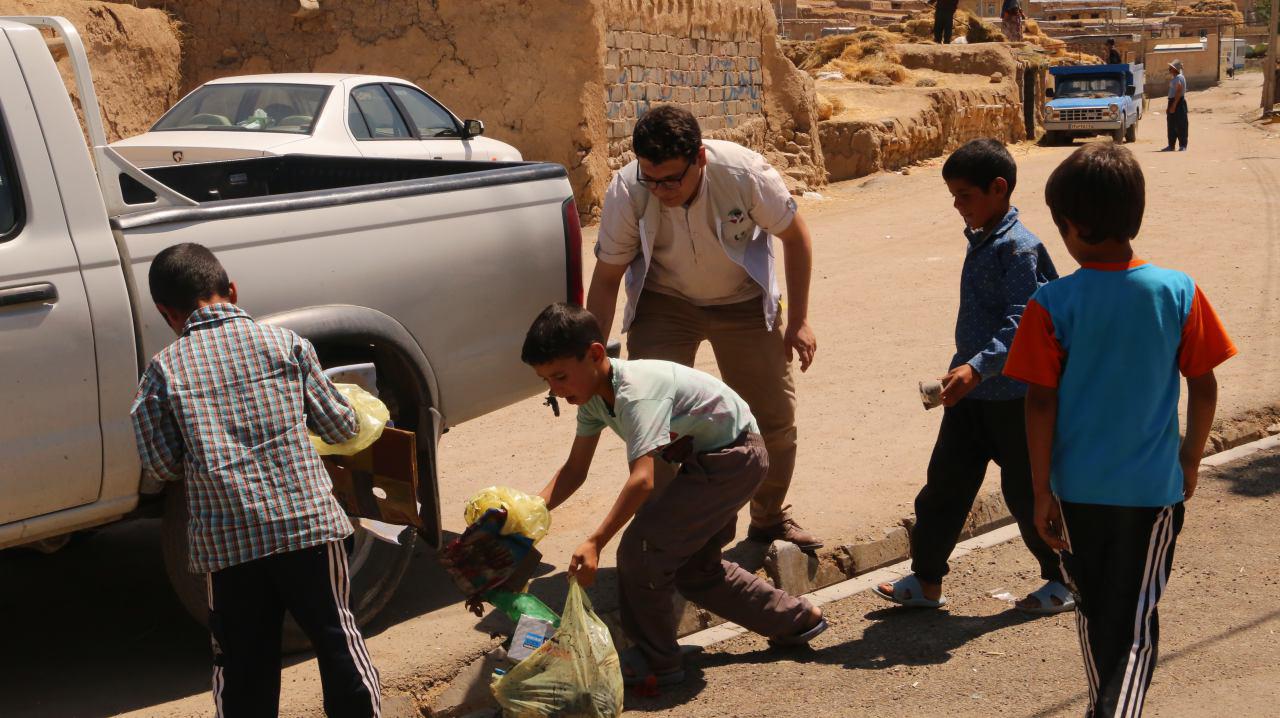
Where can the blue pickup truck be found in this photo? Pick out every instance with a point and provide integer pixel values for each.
(1089, 100)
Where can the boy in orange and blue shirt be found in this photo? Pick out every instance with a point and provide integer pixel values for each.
(1101, 351)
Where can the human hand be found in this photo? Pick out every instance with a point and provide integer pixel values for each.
(958, 383)
(475, 604)
(1048, 517)
(801, 340)
(1190, 477)
(584, 563)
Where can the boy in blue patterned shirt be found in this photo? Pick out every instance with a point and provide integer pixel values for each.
(226, 409)
(983, 416)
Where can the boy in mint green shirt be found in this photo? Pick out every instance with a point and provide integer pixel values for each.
(665, 412)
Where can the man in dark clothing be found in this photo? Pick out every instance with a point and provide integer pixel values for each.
(1113, 55)
(944, 12)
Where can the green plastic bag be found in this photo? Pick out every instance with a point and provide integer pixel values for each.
(575, 674)
(526, 515)
(373, 417)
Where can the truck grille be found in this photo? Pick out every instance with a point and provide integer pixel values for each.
(1082, 114)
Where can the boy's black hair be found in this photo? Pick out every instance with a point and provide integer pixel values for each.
(980, 162)
(184, 274)
(666, 132)
(1100, 188)
(561, 331)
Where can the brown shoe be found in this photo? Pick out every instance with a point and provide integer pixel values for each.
(787, 530)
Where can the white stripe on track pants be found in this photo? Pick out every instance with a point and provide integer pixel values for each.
(247, 604)
(1118, 565)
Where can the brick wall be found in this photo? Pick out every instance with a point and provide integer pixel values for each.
(716, 75)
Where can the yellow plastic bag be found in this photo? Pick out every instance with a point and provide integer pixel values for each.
(373, 417)
(575, 674)
(526, 515)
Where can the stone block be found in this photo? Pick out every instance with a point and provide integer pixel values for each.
(639, 41)
(863, 557)
(989, 512)
(617, 93)
(399, 706)
(469, 691)
(789, 568)
(684, 95)
(700, 94)
(704, 47)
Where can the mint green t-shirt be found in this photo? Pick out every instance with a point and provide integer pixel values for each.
(660, 402)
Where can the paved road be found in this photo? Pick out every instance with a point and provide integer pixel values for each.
(100, 633)
(979, 657)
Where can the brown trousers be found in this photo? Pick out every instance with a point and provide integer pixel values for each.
(675, 543)
(752, 361)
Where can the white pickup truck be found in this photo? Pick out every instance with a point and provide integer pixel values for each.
(429, 270)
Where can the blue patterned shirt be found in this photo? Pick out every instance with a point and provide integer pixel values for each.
(226, 407)
(1002, 269)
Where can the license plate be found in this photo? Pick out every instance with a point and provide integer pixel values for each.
(1079, 126)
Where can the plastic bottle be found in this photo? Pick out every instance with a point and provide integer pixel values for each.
(516, 605)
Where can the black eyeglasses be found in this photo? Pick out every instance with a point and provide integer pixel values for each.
(665, 183)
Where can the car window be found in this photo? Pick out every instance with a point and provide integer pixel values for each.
(355, 120)
(381, 117)
(1095, 87)
(427, 115)
(247, 107)
(10, 195)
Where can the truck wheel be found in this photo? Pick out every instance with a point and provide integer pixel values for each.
(1131, 134)
(376, 570)
(1117, 136)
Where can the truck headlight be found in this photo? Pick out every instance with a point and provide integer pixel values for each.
(1051, 113)
(1113, 110)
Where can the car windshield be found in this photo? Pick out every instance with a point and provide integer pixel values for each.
(248, 107)
(1088, 87)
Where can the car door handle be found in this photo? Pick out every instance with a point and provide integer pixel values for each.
(28, 294)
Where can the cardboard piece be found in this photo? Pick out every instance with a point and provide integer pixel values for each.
(381, 482)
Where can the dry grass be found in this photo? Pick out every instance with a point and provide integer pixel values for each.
(874, 70)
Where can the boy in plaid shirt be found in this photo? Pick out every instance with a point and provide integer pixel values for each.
(226, 409)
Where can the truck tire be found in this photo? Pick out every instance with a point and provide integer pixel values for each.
(377, 568)
(1131, 134)
(1117, 136)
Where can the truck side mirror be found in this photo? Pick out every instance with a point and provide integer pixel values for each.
(472, 128)
(1048, 92)
(1130, 90)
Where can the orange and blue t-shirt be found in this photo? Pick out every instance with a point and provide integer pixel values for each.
(1112, 339)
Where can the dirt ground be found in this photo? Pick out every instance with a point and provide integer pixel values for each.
(980, 657)
(104, 636)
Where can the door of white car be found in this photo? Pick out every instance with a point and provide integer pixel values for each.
(436, 127)
(391, 120)
(50, 437)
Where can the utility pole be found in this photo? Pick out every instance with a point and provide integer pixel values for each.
(1269, 62)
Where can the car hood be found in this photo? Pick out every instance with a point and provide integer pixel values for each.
(154, 149)
(1070, 103)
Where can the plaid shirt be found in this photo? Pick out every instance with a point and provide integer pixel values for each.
(227, 407)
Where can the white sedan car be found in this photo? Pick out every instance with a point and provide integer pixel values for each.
(313, 114)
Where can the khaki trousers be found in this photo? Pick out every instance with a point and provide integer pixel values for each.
(674, 544)
(752, 361)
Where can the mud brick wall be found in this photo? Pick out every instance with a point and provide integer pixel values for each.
(717, 76)
(721, 60)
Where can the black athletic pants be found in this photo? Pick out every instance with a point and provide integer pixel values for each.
(1117, 566)
(247, 603)
(942, 19)
(973, 434)
(1178, 124)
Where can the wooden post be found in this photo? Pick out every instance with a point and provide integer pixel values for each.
(1269, 62)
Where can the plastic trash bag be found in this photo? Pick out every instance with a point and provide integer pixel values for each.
(373, 417)
(526, 515)
(575, 674)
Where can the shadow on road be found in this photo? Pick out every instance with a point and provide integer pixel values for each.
(101, 633)
(895, 637)
(1255, 476)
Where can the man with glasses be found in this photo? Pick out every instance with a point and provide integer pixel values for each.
(690, 225)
